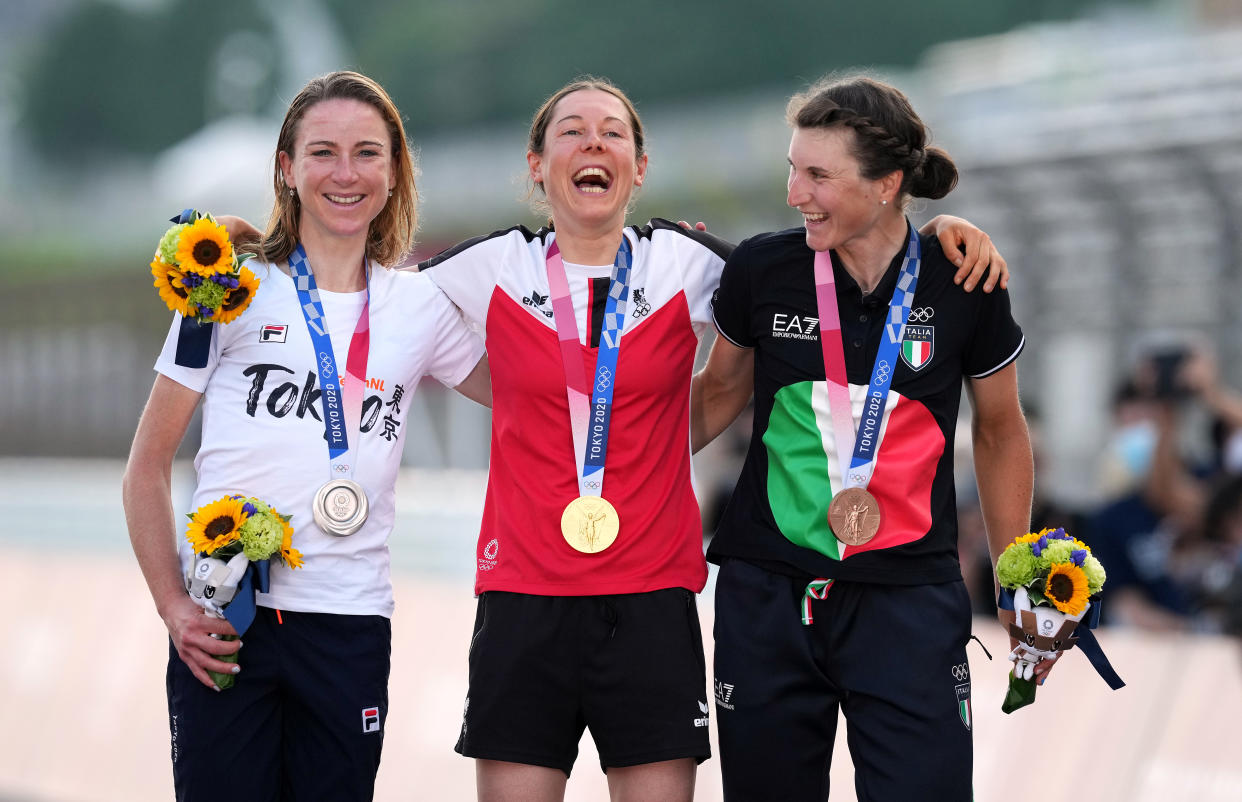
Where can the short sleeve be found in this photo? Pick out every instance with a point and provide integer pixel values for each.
(997, 339)
(194, 378)
(457, 349)
(701, 257)
(467, 273)
(731, 303)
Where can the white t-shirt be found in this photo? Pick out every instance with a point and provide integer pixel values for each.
(263, 434)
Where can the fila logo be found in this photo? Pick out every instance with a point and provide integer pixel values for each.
(536, 300)
(794, 326)
(273, 333)
(703, 720)
(370, 719)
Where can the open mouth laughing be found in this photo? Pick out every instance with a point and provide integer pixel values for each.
(592, 180)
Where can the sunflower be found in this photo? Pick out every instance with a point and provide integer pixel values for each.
(216, 524)
(204, 248)
(291, 556)
(1066, 588)
(170, 283)
(238, 298)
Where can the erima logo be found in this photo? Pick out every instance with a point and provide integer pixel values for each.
(370, 719)
(794, 326)
(536, 300)
(273, 333)
(705, 718)
(724, 692)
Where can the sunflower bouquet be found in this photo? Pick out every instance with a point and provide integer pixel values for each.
(1051, 579)
(199, 274)
(233, 539)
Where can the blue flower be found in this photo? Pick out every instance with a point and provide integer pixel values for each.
(1078, 557)
(250, 509)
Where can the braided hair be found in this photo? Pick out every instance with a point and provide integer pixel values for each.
(888, 134)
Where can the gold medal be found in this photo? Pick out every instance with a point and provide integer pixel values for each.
(590, 524)
(854, 516)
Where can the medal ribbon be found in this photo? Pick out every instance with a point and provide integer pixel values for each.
(342, 405)
(590, 405)
(866, 440)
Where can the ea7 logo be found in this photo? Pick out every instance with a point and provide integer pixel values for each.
(724, 693)
(273, 333)
(800, 327)
(370, 719)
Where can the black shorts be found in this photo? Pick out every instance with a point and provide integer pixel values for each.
(305, 719)
(628, 667)
(892, 658)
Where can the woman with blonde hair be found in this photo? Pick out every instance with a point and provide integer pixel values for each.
(306, 715)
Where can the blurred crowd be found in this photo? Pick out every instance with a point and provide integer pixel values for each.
(1169, 527)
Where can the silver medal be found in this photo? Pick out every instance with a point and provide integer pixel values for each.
(340, 507)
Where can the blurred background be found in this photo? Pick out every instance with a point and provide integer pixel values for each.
(1100, 144)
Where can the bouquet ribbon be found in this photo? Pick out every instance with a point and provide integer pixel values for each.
(193, 338)
(240, 612)
(1087, 642)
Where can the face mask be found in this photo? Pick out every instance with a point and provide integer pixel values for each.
(1232, 454)
(1133, 446)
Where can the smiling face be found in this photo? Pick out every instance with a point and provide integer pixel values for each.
(838, 205)
(341, 165)
(589, 165)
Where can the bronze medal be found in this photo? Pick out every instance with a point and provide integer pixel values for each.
(590, 524)
(854, 516)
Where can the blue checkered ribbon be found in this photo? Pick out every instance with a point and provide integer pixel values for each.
(867, 443)
(606, 365)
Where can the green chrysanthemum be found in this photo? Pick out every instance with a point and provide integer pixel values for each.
(168, 244)
(208, 294)
(1094, 570)
(1016, 566)
(1057, 551)
(259, 505)
(262, 536)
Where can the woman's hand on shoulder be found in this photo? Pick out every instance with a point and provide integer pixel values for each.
(241, 232)
(972, 250)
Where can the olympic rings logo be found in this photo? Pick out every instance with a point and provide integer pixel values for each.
(857, 477)
(882, 369)
(961, 671)
(603, 381)
(325, 364)
(921, 314)
(592, 485)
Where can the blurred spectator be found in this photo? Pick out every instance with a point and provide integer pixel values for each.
(1152, 536)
